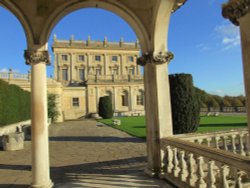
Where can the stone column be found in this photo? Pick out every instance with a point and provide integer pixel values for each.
(105, 64)
(157, 106)
(71, 72)
(97, 98)
(238, 12)
(39, 128)
(114, 99)
(130, 99)
(55, 67)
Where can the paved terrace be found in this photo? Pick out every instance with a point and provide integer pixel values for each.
(84, 154)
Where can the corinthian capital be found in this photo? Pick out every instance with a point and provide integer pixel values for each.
(150, 58)
(34, 57)
(235, 9)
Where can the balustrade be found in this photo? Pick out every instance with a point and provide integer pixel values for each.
(234, 141)
(196, 165)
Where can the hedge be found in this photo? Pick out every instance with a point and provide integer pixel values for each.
(14, 104)
(105, 107)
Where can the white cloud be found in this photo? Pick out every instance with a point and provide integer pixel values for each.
(202, 47)
(229, 35)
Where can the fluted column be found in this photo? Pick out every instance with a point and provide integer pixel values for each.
(39, 126)
(238, 12)
(157, 106)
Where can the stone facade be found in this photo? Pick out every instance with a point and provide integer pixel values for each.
(84, 71)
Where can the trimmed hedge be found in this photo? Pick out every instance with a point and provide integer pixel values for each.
(14, 104)
(185, 104)
(105, 107)
(52, 107)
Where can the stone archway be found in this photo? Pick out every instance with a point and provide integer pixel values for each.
(150, 22)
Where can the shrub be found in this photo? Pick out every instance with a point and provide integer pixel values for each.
(105, 107)
(185, 104)
(52, 107)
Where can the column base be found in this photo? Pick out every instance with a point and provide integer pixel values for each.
(50, 185)
(151, 172)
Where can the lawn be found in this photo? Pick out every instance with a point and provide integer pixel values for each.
(136, 125)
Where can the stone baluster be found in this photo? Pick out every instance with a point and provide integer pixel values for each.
(176, 163)
(191, 164)
(211, 175)
(238, 182)
(200, 173)
(183, 166)
(224, 171)
(208, 141)
(199, 141)
(224, 139)
(170, 159)
(233, 145)
(216, 140)
(242, 148)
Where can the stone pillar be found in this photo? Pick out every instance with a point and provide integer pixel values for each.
(97, 98)
(71, 69)
(114, 99)
(131, 108)
(39, 125)
(157, 106)
(105, 64)
(55, 67)
(238, 12)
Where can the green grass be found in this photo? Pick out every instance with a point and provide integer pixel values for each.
(136, 125)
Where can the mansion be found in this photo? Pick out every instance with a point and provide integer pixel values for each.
(84, 71)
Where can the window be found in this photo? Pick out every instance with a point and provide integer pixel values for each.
(115, 71)
(98, 71)
(82, 74)
(65, 74)
(130, 58)
(124, 98)
(114, 58)
(131, 71)
(97, 58)
(81, 58)
(140, 98)
(64, 57)
(75, 102)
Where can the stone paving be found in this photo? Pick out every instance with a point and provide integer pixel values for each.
(84, 154)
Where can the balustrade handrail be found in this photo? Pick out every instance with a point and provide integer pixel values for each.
(224, 157)
(192, 136)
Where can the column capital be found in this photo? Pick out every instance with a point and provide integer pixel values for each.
(233, 10)
(158, 59)
(35, 56)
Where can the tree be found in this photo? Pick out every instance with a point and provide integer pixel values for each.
(105, 107)
(211, 103)
(185, 104)
(52, 107)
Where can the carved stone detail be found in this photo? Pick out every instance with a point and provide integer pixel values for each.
(34, 57)
(150, 58)
(235, 9)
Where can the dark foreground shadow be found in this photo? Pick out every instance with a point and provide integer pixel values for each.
(233, 125)
(96, 139)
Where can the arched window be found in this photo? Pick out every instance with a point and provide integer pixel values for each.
(140, 98)
(124, 98)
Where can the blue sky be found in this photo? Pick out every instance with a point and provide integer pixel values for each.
(204, 43)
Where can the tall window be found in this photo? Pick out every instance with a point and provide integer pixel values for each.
(124, 98)
(131, 71)
(140, 98)
(130, 58)
(81, 58)
(98, 71)
(114, 58)
(97, 58)
(64, 57)
(65, 74)
(75, 102)
(82, 74)
(115, 71)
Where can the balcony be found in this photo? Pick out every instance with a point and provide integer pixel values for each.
(114, 78)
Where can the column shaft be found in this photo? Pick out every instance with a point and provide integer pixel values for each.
(40, 145)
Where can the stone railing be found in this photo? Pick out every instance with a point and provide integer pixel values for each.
(188, 164)
(12, 75)
(115, 78)
(232, 140)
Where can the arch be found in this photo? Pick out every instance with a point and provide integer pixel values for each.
(112, 6)
(8, 5)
